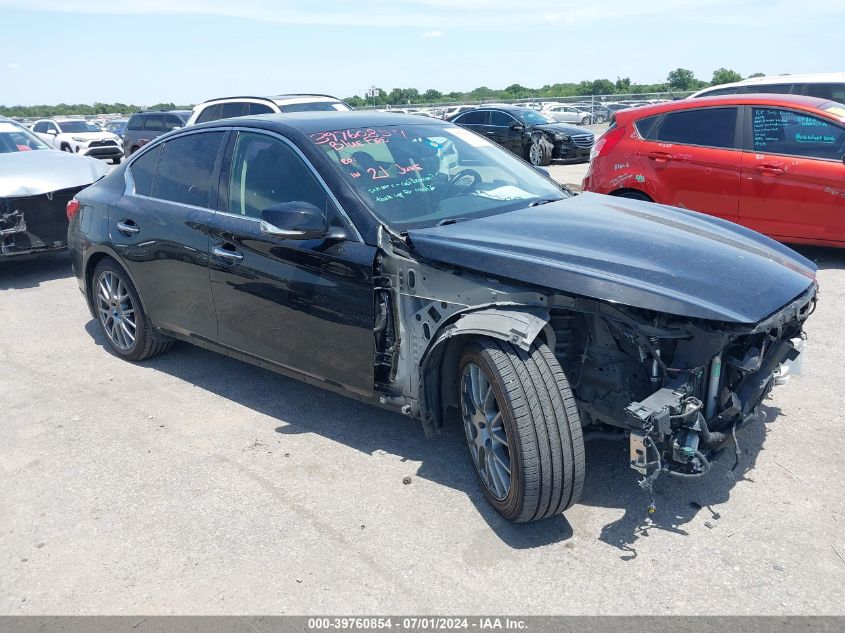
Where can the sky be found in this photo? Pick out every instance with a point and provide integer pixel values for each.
(184, 51)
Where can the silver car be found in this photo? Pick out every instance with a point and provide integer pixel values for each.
(568, 114)
(36, 183)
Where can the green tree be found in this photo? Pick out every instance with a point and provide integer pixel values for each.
(725, 76)
(682, 79)
(756, 75)
(623, 85)
(431, 95)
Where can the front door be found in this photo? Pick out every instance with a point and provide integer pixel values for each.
(793, 178)
(305, 305)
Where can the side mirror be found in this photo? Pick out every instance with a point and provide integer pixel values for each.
(293, 221)
(516, 126)
(52, 131)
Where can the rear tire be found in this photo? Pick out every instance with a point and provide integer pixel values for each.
(67, 148)
(127, 328)
(522, 427)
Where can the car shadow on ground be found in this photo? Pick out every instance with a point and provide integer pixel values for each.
(610, 483)
(824, 258)
(31, 272)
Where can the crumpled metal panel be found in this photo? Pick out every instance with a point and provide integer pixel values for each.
(42, 171)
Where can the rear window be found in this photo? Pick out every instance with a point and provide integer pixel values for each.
(211, 113)
(233, 109)
(477, 117)
(135, 123)
(314, 106)
(646, 126)
(707, 127)
(185, 169)
(143, 171)
(154, 123)
(834, 92)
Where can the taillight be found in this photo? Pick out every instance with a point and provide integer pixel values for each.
(607, 142)
(72, 208)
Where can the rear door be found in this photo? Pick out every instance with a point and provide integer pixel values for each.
(501, 132)
(793, 177)
(160, 230)
(692, 159)
(305, 305)
(475, 120)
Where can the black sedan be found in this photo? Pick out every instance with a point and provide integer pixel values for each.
(535, 136)
(415, 265)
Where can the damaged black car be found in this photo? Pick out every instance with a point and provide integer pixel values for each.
(534, 136)
(416, 265)
(36, 184)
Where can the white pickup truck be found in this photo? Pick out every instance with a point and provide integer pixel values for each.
(79, 137)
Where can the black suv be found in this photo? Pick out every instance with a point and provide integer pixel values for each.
(410, 263)
(533, 135)
(143, 127)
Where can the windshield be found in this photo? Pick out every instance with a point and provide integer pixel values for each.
(14, 138)
(532, 117)
(78, 126)
(415, 176)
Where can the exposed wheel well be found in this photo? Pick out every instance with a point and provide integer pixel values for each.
(635, 194)
(90, 265)
(443, 374)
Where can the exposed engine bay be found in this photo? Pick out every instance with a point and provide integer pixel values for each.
(675, 387)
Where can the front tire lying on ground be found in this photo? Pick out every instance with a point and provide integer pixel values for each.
(122, 319)
(522, 427)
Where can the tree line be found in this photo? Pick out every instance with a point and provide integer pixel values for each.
(678, 80)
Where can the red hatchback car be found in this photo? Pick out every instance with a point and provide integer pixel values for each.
(773, 163)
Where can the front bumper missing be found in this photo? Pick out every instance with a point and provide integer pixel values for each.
(679, 428)
(34, 224)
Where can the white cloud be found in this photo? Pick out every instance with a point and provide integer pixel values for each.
(13, 65)
(433, 34)
(433, 14)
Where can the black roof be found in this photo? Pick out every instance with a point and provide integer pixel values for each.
(309, 122)
(506, 108)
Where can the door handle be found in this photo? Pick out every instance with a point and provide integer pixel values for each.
(660, 157)
(768, 170)
(127, 227)
(230, 255)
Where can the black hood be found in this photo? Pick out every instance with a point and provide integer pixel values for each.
(631, 252)
(560, 128)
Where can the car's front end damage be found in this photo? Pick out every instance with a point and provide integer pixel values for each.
(35, 188)
(673, 365)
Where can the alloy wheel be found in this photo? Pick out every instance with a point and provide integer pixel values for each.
(534, 154)
(116, 310)
(485, 431)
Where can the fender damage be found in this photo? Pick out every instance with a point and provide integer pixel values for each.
(675, 372)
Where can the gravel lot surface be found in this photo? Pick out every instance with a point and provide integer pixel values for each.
(196, 484)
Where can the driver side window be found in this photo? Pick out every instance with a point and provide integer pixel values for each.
(501, 119)
(267, 171)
